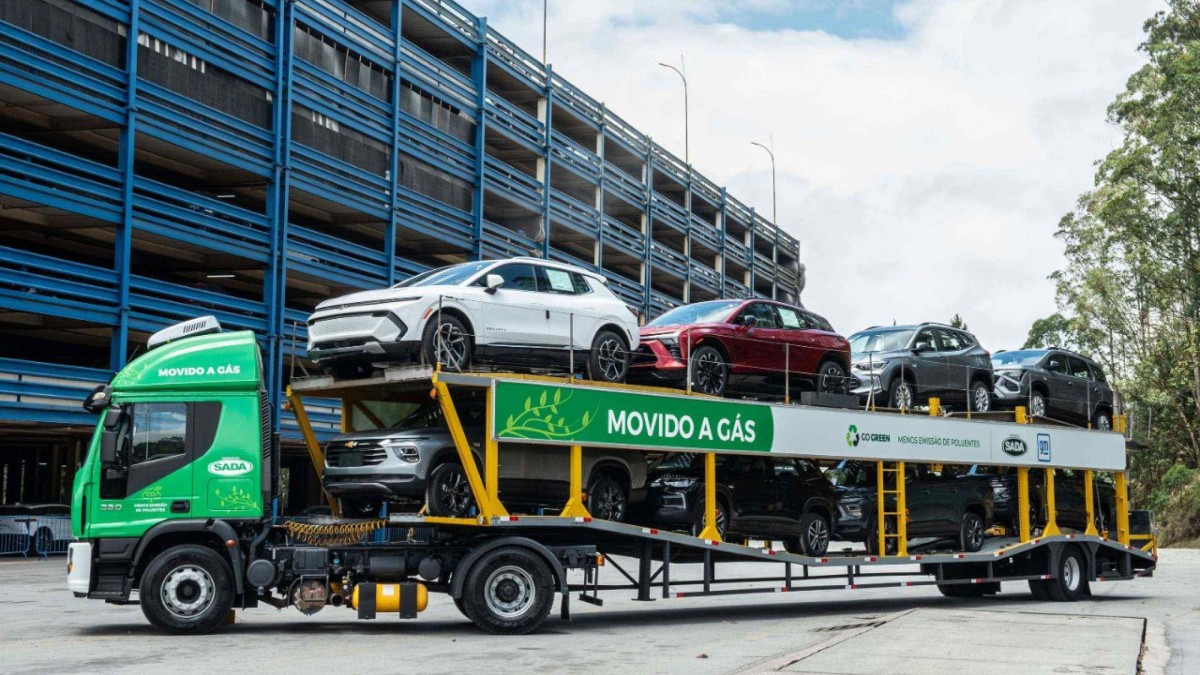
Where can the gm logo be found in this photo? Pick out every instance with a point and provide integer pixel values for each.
(1043, 447)
(230, 466)
(1014, 446)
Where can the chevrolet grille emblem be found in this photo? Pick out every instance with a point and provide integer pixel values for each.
(352, 444)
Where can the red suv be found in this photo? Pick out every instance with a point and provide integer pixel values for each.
(742, 346)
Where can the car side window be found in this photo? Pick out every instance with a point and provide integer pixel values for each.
(1098, 373)
(950, 341)
(1055, 363)
(818, 322)
(580, 284)
(791, 319)
(925, 341)
(518, 277)
(747, 467)
(1078, 368)
(784, 467)
(553, 280)
(763, 313)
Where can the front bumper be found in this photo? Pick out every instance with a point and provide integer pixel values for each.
(1010, 390)
(406, 486)
(864, 383)
(670, 508)
(79, 568)
(375, 332)
(655, 363)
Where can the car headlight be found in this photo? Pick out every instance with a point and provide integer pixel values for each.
(871, 366)
(851, 508)
(403, 450)
(677, 482)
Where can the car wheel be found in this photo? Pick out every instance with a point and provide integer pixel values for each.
(698, 518)
(710, 373)
(608, 360)
(1102, 420)
(889, 527)
(814, 536)
(446, 342)
(831, 378)
(187, 590)
(981, 397)
(1037, 404)
(901, 394)
(1069, 584)
(971, 532)
(509, 591)
(448, 492)
(607, 499)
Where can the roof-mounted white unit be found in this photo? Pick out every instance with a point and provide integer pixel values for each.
(202, 325)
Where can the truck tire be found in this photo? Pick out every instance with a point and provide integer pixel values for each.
(948, 590)
(448, 492)
(1039, 590)
(970, 536)
(187, 590)
(1069, 584)
(509, 591)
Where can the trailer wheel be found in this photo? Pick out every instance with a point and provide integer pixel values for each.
(509, 591)
(1070, 582)
(948, 590)
(187, 590)
(1039, 590)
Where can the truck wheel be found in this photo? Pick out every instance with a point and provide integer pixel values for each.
(509, 591)
(607, 499)
(1069, 584)
(1039, 590)
(187, 590)
(448, 492)
(948, 590)
(462, 607)
(971, 534)
(608, 360)
(814, 536)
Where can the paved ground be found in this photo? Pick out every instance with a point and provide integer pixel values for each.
(44, 629)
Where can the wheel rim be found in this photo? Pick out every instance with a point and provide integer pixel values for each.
(833, 379)
(188, 591)
(904, 396)
(975, 533)
(610, 356)
(510, 592)
(1103, 423)
(450, 346)
(1071, 573)
(818, 536)
(454, 493)
(608, 503)
(708, 372)
(982, 400)
(1037, 406)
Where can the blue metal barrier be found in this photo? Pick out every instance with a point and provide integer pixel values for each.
(14, 535)
(51, 534)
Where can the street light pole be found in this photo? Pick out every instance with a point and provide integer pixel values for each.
(545, 20)
(774, 212)
(680, 72)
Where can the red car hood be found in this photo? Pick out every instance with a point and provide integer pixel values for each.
(652, 331)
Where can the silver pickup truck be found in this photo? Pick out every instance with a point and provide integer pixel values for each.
(415, 460)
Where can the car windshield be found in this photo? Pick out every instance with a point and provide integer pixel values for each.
(701, 312)
(880, 340)
(446, 276)
(1022, 357)
(429, 415)
(852, 474)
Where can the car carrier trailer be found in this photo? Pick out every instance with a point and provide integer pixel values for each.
(187, 523)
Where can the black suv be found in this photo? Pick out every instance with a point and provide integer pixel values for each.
(772, 498)
(1070, 502)
(902, 366)
(1054, 383)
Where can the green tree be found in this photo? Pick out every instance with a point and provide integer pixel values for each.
(958, 322)
(1130, 292)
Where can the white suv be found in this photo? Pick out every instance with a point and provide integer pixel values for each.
(521, 311)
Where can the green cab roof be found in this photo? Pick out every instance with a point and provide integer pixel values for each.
(217, 361)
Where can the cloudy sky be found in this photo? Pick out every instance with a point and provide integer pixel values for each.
(926, 148)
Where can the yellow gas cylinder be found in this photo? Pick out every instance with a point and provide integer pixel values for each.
(387, 596)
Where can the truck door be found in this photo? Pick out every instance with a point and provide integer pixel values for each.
(151, 479)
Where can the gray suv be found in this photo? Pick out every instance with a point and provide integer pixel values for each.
(1054, 383)
(414, 460)
(903, 366)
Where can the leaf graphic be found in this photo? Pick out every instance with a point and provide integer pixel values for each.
(510, 420)
(554, 409)
(547, 418)
(585, 418)
(557, 395)
(528, 403)
(542, 399)
(560, 421)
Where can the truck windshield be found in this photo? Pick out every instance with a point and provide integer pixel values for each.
(701, 312)
(446, 276)
(1021, 357)
(880, 340)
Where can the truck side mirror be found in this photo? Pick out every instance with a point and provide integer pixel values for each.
(112, 418)
(494, 282)
(99, 399)
(108, 447)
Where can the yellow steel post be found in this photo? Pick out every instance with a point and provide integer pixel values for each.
(347, 413)
(315, 454)
(1021, 417)
(486, 508)
(491, 454)
(575, 506)
(901, 512)
(710, 530)
(880, 509)
(1051, 528)
(1089, 503)
(935, 407)
(1122, 489)
(1023, 504)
